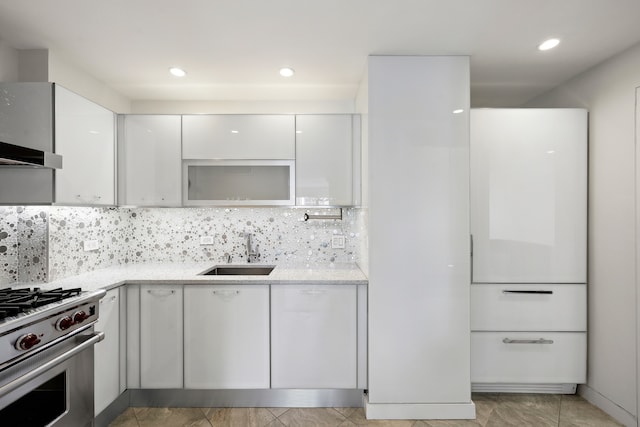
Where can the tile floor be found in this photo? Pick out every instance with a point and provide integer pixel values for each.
(492, 410)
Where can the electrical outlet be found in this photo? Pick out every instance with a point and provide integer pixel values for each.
(206, 240)
(338, 242)
(91, 245)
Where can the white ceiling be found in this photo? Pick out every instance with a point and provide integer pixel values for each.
(232, 49)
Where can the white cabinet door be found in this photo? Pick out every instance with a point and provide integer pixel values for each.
(529, 357)
(26, 115)
(313, 336)
(226, 337)
(150, 161)
(161, 336)
(531, 307)
(85, 137)
(529, 195)
(230, 137)
(107, 352)
(324, 159)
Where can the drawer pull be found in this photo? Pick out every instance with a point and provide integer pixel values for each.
(528, 292)
(112, 299)
(538, 341)
(160, 293)
(313, 291)
(226, 293)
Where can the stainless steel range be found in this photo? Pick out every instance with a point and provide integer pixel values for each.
(46, 356)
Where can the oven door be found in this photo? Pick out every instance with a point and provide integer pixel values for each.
(52, 388)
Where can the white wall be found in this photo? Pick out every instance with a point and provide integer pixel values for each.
(242, 107)
(8, 63)
(33, 65)
(608, 92)
(65, 73)
(362, 108)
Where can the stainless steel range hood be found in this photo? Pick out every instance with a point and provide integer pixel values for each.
(16, 155)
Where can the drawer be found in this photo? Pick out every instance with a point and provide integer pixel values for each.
(528, 357)
(524, 307)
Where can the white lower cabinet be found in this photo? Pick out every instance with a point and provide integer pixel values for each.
(313, 336)
(161, 336)
(531, 307)
(528, 333)
(528, 357)
(226, 335)
(107, 352)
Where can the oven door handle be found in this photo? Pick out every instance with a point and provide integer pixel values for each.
(95, 338)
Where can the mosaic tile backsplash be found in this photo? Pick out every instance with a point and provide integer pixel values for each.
(8, 245)
(47, 243)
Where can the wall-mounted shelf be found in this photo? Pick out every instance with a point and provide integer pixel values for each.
(308, 216)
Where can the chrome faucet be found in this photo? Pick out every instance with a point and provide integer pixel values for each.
(252, 249)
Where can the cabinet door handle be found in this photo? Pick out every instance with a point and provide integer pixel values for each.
(507, 291)
(313, 291)
(160, 293)
(226, 293)
(112, 299)
(538, 341)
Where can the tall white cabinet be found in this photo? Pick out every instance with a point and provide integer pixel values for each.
(528, 226)
(419, 266)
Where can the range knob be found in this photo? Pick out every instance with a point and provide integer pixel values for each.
(80, 316)
(64, 323)
(26, 342)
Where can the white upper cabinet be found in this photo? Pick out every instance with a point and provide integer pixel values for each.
(325, 158)
(85, 137)
(234, 137)
(26, 115)
(529, 195)
(149, 158)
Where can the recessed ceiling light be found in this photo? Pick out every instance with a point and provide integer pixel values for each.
(234, 131)
(458, 111)
(287, 72)
(549, 44)
(178, 72)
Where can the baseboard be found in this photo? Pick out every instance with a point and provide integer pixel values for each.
(614, 410)
(523, 388)
(287, 398)
(419, 411)
(111, 412)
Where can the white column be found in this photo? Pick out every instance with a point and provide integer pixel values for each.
(419, 261)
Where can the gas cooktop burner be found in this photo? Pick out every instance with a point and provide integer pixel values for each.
(17, 301)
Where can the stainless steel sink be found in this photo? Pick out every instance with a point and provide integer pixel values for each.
(239, 270)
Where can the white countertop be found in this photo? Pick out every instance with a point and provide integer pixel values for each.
(180, 273)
